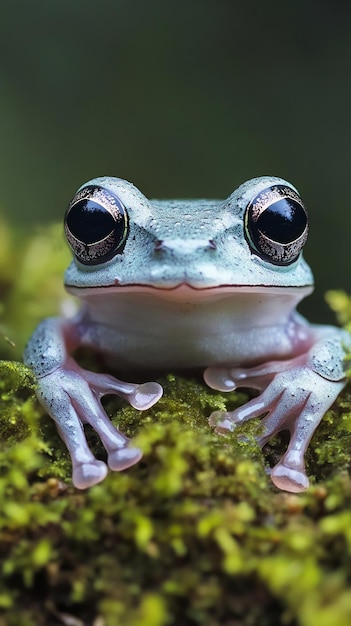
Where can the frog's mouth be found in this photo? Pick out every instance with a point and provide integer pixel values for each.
(185, 292)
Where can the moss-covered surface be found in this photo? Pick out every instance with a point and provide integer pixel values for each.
(194, 535)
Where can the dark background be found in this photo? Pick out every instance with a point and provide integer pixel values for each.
(187, 99)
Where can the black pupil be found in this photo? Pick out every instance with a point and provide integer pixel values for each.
(284, 221)
(90, 222)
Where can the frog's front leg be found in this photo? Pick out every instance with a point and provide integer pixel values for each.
(296, 394)
(72, 396)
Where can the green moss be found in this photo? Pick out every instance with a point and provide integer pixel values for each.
(194, 534)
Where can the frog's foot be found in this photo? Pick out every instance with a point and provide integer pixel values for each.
(295, 400)
(72, 397)
(289, 474)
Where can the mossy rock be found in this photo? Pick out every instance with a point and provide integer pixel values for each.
(195, 534)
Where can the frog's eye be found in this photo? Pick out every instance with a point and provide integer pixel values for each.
(96, 225)
(276, 224)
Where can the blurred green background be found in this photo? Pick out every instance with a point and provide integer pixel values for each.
(186, 99)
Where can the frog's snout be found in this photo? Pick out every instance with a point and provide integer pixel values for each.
(185, 246)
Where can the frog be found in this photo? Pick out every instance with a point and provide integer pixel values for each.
(196, 285)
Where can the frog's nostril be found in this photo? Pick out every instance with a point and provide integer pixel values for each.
(184, 246)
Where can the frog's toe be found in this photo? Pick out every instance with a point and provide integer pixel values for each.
(219, 378)
(221, 422)
(145, 395)
(89, 474)
(289, 479)
(123, 458)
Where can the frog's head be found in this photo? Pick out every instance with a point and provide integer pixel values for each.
(253, 240)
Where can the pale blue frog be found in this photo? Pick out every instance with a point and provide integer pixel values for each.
(197, 284)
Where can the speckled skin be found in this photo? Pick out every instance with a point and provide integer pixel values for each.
(189, 292)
